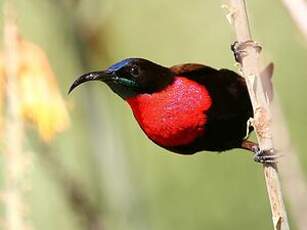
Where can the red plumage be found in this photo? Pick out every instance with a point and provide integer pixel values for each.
(185, 108)
(175, 115)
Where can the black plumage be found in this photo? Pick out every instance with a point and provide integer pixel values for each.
(227, 124)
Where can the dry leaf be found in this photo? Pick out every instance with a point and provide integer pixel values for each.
(40, 99)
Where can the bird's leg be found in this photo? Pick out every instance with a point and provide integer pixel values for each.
(238, 49)
(261, 156)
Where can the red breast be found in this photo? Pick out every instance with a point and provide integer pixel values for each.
(175, 115)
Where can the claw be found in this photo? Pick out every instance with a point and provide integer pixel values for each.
(265, 156)
(238, 52)
(238, 49)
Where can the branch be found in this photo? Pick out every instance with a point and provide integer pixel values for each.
(14, 157)
(73, 190)
(298, 11)
(291, 172)
(262, 114)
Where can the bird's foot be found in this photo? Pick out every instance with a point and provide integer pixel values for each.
(265, 156)
(238, 49)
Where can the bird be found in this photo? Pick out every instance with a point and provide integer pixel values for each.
(185, 108)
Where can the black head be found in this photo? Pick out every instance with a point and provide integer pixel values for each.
(130, 77)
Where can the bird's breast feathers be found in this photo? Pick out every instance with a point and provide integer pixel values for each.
(175, 115)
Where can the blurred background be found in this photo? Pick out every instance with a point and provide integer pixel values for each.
(98, 170)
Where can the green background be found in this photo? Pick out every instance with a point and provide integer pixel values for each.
(133, 183)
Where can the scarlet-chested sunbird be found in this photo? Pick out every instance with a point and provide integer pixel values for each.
(186, 108)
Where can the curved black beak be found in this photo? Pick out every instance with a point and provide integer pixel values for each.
(92, 76)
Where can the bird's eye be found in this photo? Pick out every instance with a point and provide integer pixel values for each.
(134, 71)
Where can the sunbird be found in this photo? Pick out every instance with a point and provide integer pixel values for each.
(186, 108)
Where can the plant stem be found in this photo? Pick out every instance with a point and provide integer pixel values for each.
(298, 11)
(291, 172)
(73, 190)
(262, 114)
(14, 159)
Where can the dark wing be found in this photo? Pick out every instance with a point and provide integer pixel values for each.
(227, 89)
(231, 107)
(188, 68)
(223, 84)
